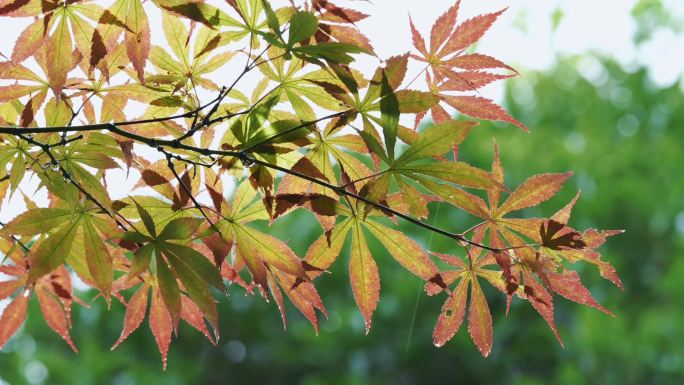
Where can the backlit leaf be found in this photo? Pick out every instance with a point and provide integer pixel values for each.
(469, 32)
(411, 101)
(534, 191)
(52, 252)
(480, 319)
(302, 26)
(363, 273)
(12, 318)
(135, 313)
(98, 258)
(168, 289)
(481, 108)
(542, 301)
(54, 315)
(404, 250)
(161, 326)
(137, 36)
(452, 315)
(60, 52)
(436, 140)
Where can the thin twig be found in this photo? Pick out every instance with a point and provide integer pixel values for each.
(70, 179)
(16, 240)
(187, 190)
(156, 143)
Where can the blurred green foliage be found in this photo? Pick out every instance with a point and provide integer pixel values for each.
(623, 138)
(652, 16)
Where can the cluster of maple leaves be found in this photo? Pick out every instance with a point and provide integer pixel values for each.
(315, 134)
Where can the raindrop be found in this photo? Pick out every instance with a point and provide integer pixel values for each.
(55, 166)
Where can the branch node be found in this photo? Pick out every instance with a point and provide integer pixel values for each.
(339, 190)
(247, 159)
(157, 146)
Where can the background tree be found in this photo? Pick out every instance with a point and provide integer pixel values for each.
(174, 251)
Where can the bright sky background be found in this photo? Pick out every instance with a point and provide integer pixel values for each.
(523, 37)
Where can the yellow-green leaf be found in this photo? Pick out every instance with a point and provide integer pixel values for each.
(52, 251)
(364, 277)
(404, 250)
(98, 258)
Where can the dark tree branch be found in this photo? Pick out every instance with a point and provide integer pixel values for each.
(244, 155)
(67, 177)
(187, 189)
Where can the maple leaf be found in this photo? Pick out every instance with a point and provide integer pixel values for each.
(270, 262)
(332, 25)
(325, 149)
(62, 225)
(161, 325)
(201, 12)
(453, 310)
(187, 69)
(160, 321)
(53, 29)
(300, 89)
(411, 165)
(37, 89)
(557, 240)
(54, 293)
(176, 262)
(363, 274)
(455, 71)
(127, 17)
(115, 97)
(364, 277)
(251, 24)
(12, 318)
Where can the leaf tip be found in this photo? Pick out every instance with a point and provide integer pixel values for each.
(368, 325)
